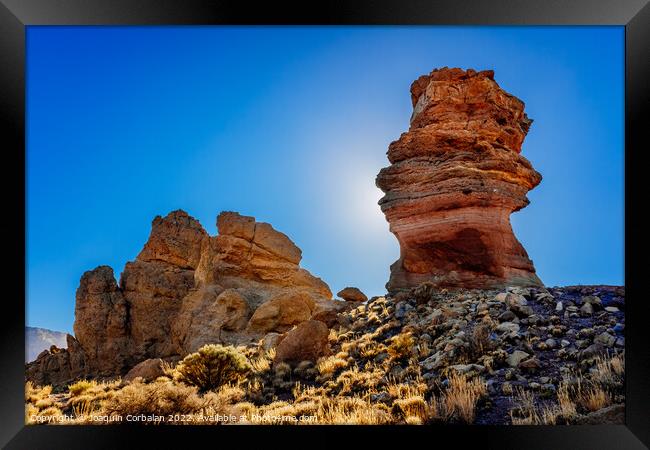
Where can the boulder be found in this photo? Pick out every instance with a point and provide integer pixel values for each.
(148, 370)
(610, 415)
(306, 342)
(516, 357)
(328, 311)
(282, 312)
(352, 294)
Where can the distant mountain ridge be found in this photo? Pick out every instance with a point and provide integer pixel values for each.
(39, 339)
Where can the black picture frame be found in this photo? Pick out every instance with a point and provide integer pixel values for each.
(15, 15)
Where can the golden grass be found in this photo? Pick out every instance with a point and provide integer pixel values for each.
(565, 401)
(401, 346)
(460, 399)
(328, 366)
(80, 387)
(595, 398)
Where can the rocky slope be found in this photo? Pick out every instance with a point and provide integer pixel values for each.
(454, 179)
(539, 356)
(186, 289)
(40, 339)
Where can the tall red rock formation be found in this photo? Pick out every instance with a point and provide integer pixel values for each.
(455, 177)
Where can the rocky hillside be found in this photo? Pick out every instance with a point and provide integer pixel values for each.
(39, 339)
(424, 356)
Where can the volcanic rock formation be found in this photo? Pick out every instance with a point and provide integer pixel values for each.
(455, 177)
(186, 289)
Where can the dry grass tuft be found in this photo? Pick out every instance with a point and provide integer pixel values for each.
(401, 346)
(460, 399)
(328, 366)
(159, 398)
(595, 398)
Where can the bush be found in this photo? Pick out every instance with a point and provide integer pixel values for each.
(423, 293)
(157, 398)
(212, 366)
(401, 346)
(80, 387)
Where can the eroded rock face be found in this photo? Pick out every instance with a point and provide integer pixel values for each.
(248, 283)
(455, 177)
(184, 290)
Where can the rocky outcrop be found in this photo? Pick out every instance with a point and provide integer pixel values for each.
(57, 366)
(455, 177)
(247, 283)
(184, 290)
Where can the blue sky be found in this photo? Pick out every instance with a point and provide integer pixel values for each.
(291, 125)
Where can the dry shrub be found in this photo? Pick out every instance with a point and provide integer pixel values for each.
(352, 411)
(565, 402)
(594, 399)
(460, 399)
(52, 411)
(406, 390)
(411, 407)
(424, 292)
(608, 372)
(161, 397)
(330, 365)
(227, 400)
(479, 340)
(44, 403)
(261, 364)
(30, 412)
(354, 381)
(369, 350)
(212, 366)
(35, 393)
(80, 387)
(282, 370)
(401, 346)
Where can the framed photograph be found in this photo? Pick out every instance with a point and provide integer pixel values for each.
(379, 218)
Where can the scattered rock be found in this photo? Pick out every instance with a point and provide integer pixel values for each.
(516, 357)
(271, 340)
(507, 327)
(587, 309)
(605, 339)
(530, 365)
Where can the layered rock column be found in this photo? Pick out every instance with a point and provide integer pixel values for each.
(455, 177)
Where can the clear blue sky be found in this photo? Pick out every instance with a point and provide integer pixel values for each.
(291, 125)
